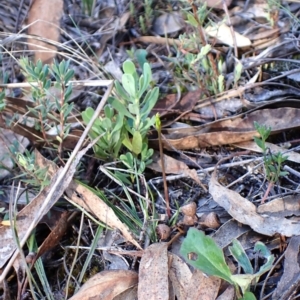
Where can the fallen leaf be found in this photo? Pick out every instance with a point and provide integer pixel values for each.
(223, 33)
(44, 21)
(289, 281)
(232, 130)
(89, 201)
(250, 145)
(173, 166)
(153, 273)
(107, 285)
(203, 287)
(245, 212)
(180, 276)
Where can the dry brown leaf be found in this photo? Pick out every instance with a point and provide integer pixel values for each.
(289, 282)
(90, 202)
(203, 287)
(180, 276)
(222, 32)
(228, 294)
(245, 212)
(107, 285)
(153, 273)
(44, 21)
(173, 166)
(250, 145)
(233, 130)
(281, 207)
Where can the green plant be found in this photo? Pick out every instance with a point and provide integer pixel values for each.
(126, 119)
(202, 252)
(46, 103)
(272, 161)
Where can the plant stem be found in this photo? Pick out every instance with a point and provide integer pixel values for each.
(270, 185)
(168, 211)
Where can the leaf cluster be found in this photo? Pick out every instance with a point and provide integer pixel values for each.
(272, 162)
(202, 252)
(126, 120)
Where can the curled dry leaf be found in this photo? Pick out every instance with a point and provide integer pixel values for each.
(173, 166)
(245, 212)
(107, 285)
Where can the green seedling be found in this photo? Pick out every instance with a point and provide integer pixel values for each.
(46, 101)
(272, 162)
(126, 120)
(202, 252)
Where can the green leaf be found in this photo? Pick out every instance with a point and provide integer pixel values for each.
(129, 67)
(192, 20)
(133, 108)
(137, 143)
(128, 83)
(120, 107)
(265, 252)
(201, 252)
(121, 92)
(127, 143)
(141, 55)
(149, 102)
(248, 296)
(259, 143)
(237, 251)
(238, 71)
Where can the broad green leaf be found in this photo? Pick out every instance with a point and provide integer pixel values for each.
(127, 143)
(141, 55)
(120, 107)
(121, 92)
(149, 102)
(137, 143)
(128, 83)
(133, 108)
(201, 252)
(129, 67)
(237, 251)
